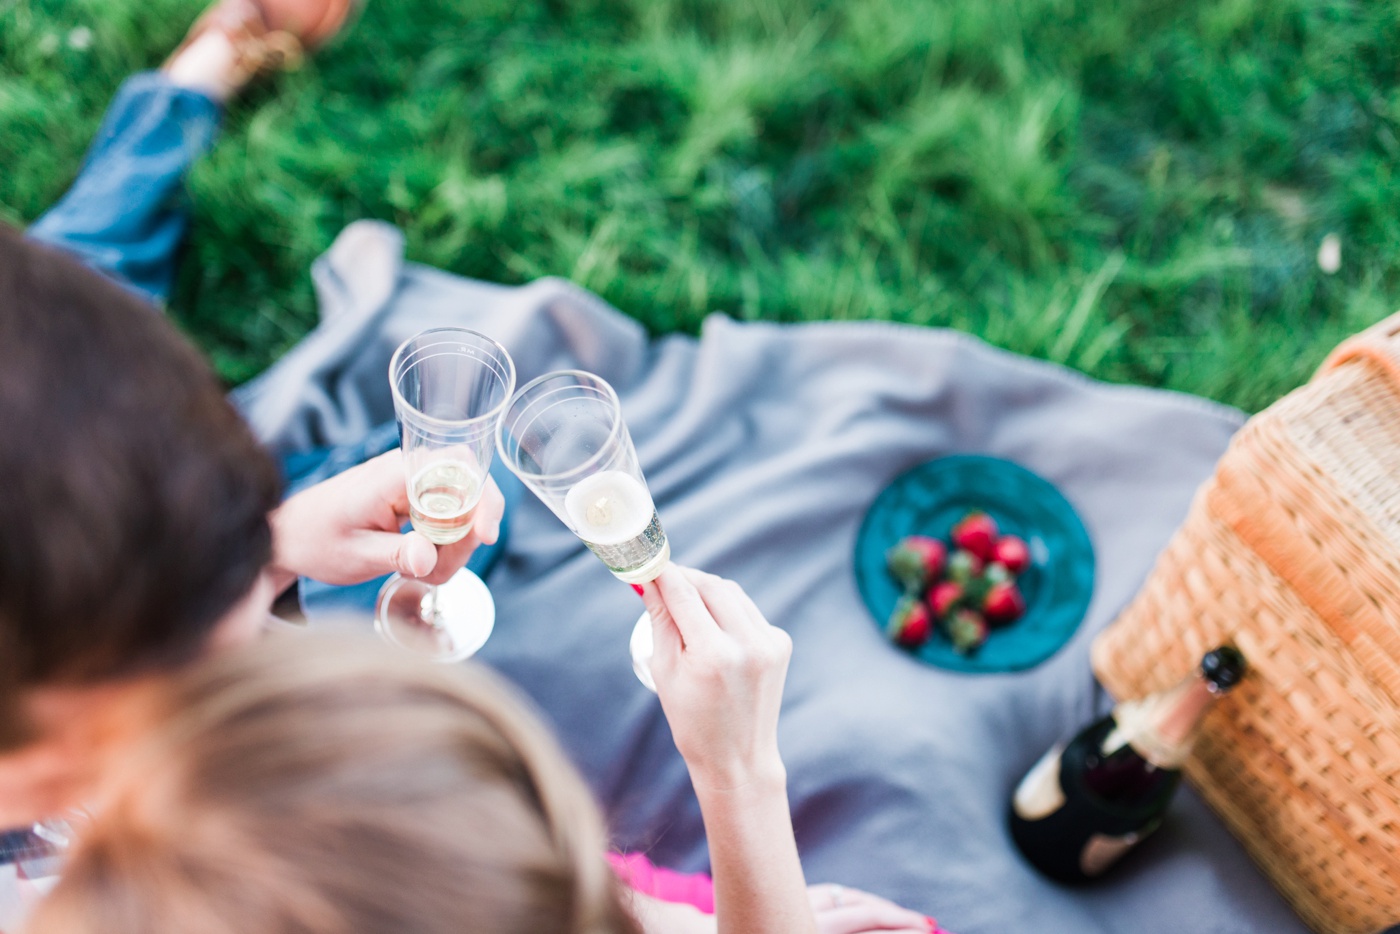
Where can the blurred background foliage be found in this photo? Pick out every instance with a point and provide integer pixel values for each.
(1134, 188)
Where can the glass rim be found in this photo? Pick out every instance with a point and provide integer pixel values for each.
(401, 404)
(614, 433)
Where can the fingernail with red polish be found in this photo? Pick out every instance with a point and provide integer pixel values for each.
(641, 591)
(932, 924)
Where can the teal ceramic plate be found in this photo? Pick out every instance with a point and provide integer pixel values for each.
(930, 499)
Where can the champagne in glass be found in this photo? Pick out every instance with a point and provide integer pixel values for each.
(449, 387)
(564, 437)
(614, 516)
(442, 501)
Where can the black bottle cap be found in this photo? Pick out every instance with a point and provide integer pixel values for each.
(1223, 667)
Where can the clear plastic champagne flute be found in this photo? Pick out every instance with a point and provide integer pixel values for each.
(450, 386)
(564, 437)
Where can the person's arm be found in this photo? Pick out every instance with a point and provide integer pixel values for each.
(345, 530)
(756, 866)
(719, 669)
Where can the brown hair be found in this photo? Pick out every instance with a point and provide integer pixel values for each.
(322, 786)
(133, 498)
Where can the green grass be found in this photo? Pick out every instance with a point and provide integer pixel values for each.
(1131, 187)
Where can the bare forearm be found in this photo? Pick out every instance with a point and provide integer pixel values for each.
(759, 887)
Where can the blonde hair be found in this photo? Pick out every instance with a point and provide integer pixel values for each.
(326, 786)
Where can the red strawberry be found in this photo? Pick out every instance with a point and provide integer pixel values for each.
(943, 597)
(916, 631)
(964, 566)
(967, 630)
(1013, 553)
(935, 554)
(976, 533)
(1004, 603)
(916, 561)
(910, 625)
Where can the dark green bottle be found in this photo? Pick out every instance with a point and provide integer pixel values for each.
(1088, 802)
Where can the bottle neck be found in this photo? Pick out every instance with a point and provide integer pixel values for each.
(1162, 727)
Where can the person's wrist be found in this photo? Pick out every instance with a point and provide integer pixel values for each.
(280, 569)
(282, 578)
(759, 776)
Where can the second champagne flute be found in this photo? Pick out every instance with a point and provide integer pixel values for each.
(450, 386)
(564, 437)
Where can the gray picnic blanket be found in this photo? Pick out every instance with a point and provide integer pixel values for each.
(764, 445)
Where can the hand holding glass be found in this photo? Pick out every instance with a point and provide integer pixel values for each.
(564, 437)
(449, 387)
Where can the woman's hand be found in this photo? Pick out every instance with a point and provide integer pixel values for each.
(719, 668)
(345, 530)
(842, 910)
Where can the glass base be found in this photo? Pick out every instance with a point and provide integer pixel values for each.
(642, 647)
(463, 619)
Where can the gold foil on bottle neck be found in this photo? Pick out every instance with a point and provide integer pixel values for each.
(1162, 728)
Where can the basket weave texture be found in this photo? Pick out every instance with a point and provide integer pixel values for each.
(1292, 552)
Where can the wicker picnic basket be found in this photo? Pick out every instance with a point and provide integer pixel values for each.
(1292, 552)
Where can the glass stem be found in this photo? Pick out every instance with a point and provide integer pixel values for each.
(429, 607)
